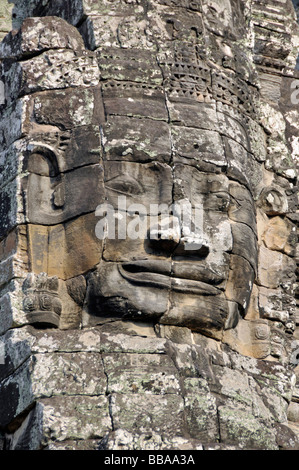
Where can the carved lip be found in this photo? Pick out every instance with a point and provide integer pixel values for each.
(176, 276)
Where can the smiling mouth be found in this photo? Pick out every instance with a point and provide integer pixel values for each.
(176, 276)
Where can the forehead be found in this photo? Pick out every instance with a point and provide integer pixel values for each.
(73, 122)
(142, 104)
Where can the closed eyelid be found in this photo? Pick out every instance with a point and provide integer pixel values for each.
(124, 184)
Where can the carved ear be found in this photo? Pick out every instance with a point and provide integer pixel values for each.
(41, 160)
(44, 186)
(273, 201)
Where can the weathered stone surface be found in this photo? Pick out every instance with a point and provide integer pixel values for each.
(73, 191)
(138, 389)
(251, 433)
(136, 373)
(240, 282)
(148, 236)
(56, 108)
(189, 144)
(124, 440)
(133, 99)
(121, 143)
(138, 412)
(34, 37)
(280, 235)
(86, 419)
(41, 303)
(245, 243)
(5, 19)
(274, 267)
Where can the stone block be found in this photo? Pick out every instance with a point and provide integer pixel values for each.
(65, 374)
(73, 248)
(250, 338)
(280, 235)
(12, 161)
(142, 412)
(15, 392)
(141, 373)
(11, 207)
(15, 350)
(199, 313)
(82, 148)
(245, 243)
(14, 122)
(11, 305)
(128, 31)
(29, 434)
(276, 304)
(121, 439)
(38, 237)
(293, 412)
(240, 281)
(249, 431)
(242, 167)
(10, 269)
(134, 99)
(123, 343)
(15, 245)
(231, 124)
(200, 409)
(193, 145)
(69, 69)
(124, 140)
(5, 19)
(275, 268)
(193, 114)
(81, 418)
(83, 249)
(75, 193)
(54, 340)
(132, 65)
(242, 206)
(39, 34)
(65, 109)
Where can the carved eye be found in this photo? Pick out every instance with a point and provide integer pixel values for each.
(125, 185)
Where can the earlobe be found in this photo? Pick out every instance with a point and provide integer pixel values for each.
(59, 195)
(44, 186)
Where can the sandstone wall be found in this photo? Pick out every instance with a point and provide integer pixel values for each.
(72, 84)
(5, 18)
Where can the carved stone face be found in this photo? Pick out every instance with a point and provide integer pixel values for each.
(138, 130)
(155, 270)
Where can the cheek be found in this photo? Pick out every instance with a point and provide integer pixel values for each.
(39, 198)
(218, 229)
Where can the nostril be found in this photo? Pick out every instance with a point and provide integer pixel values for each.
(166, 245)
(192, 248)
(166, 231)
(201, 252)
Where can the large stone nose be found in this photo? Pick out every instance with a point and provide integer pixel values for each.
(165, 233)
(169, 235)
